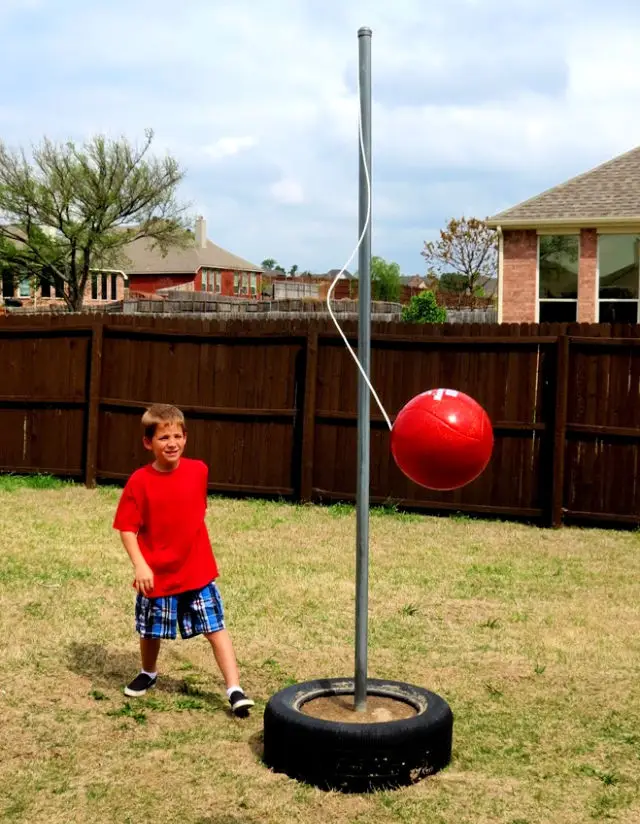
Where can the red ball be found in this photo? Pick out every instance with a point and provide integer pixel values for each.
(442, 439)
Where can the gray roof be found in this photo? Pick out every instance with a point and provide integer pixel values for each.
(608, 192)
(143, 260)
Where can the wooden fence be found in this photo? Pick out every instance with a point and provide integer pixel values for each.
(272, 407)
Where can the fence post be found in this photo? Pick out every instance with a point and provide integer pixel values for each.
(560, 430)
(93, 407)
(309, 415)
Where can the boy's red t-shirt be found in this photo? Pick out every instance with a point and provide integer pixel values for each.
(167, 511)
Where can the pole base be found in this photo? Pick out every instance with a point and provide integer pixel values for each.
(348, 752)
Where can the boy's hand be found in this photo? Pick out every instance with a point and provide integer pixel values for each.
(144, 578)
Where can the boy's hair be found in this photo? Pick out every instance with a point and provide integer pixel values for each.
(159, 413)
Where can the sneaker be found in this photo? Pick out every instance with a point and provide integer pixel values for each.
(140, 684)
(240, 704)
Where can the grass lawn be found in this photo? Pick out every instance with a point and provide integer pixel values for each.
(532, 636)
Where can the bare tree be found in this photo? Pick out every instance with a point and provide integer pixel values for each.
(466, 248)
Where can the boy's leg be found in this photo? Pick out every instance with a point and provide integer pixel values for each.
(202, 613)
(149, 649)
(156, 618)
(226, 660)
(225, 657)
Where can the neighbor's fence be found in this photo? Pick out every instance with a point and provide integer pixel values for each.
(272, 406)
(472, 315)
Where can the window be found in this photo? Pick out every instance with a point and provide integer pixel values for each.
(94, 286)
(45, 287)
(558, 257)
(254, 284)
(618, 278)
(7, 285)
(558, 311)
(24, 289)
(242, 283)
(114, 287)
(211, 281)
(105, 286)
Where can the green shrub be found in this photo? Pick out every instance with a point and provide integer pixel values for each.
(423, 308)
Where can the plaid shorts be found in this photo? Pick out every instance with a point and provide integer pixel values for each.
(196, 613)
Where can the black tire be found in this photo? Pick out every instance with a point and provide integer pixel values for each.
(357, 757)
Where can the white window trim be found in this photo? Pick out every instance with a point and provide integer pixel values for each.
(600, 300)
(500, 273)
(540, 300)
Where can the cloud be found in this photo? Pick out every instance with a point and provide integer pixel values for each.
(229, 146)
(287, 191)
(477, 105)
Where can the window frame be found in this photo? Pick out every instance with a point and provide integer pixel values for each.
(241, 284)
(540, 300)
(600, 300)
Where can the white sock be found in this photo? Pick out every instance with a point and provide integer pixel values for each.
(150, 674)
(234, 689)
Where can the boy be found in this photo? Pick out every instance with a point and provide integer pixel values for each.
(161, 520)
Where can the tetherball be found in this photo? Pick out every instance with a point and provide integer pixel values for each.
(442, 439)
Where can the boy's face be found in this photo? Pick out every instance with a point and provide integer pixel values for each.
(167, 445)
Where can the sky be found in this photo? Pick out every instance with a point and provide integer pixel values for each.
(477, 105)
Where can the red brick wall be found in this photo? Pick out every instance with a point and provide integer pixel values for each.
(148, 284)
(520, 263)
(587, 274)
(227, 284)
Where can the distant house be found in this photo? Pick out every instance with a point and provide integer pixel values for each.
(333, 273)
(308, 284)
(414, 282)
(572, 253)
(202, 267)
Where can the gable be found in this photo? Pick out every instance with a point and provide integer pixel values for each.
(609, 192)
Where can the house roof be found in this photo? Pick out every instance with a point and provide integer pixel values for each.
(609, 192)
(143, 260)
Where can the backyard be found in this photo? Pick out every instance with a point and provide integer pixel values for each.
(532, 636)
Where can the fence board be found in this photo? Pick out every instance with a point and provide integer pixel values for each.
(603, 428)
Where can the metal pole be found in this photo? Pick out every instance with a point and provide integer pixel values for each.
(364, 355)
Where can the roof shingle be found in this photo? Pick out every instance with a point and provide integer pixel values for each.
(608, 191)
(143, 260)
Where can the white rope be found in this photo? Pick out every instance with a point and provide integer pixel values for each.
(347, 264)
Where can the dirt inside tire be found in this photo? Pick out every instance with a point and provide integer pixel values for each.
(342, 708)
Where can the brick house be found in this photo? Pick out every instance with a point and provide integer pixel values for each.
(102, 288)
(202, 266)
(572, 253)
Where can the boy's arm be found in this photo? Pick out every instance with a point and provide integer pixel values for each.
(142, 570)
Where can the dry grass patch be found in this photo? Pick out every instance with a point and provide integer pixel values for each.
(532, 636)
